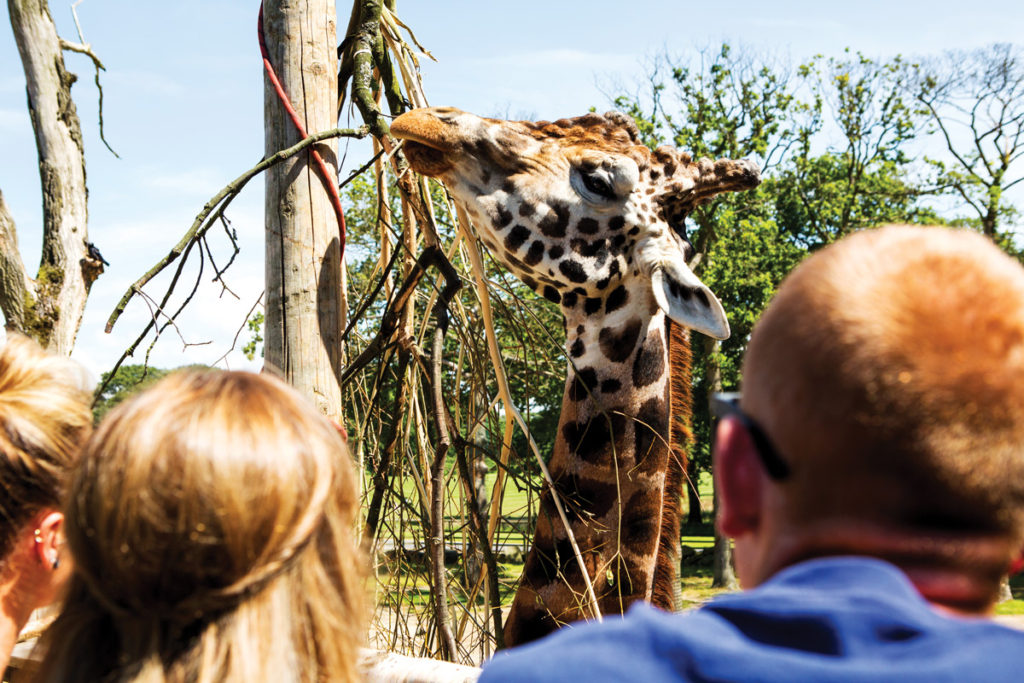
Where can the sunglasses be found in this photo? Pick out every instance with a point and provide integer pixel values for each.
(728, 403)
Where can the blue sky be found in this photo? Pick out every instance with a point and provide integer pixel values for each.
(183, 106)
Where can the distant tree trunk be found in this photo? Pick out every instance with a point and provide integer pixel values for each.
(481, 494)
(1004, 590)
(305, 306)
(49, 307)
(694, 513)
(723, 575)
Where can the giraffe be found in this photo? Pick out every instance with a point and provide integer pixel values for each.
(586, 215)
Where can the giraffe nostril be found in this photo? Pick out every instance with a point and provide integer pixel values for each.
(688, 248)
(678, 225)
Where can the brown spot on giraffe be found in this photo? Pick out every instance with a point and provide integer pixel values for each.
(585, 496)
(649, 364)
(585, 380)
(601, 215)
(597, 439)
(618, 343)
(650, 429)
(618, 298)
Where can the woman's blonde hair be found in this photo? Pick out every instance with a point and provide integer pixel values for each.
(211, 520)
(45, 416)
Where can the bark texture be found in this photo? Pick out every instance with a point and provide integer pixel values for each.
(49, 307)
(304, 318)
(723, 575)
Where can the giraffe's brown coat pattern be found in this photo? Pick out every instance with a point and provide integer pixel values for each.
(595, 439)
(651, 426)
(618, 343)
(583, 212)
(649, 363)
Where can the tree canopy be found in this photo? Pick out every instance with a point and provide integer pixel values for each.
(844, 143)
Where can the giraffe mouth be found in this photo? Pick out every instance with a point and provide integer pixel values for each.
(428, 140)
(425, 159)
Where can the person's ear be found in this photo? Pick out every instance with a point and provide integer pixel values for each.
(739, 479)
(48, 537)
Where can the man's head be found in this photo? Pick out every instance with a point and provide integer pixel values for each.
(889, 373)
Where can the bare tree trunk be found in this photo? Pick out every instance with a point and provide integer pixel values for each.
(1004, 590)
(481, 497)
(694, 512)
(304, 318)
(723, 575)
(15, 284)
(50, 307)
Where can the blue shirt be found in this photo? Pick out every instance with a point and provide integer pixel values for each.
(831, 619)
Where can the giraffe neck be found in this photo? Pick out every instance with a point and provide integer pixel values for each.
(613, 473)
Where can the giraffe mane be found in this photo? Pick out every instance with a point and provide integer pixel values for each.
(612, 130)
(666, 570)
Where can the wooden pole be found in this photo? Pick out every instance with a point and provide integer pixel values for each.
(304, 297)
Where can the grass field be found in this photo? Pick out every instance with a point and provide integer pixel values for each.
(515, 530)
(1015, 606)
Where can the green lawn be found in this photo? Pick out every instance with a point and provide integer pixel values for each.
(696, 581)
(1015, 606)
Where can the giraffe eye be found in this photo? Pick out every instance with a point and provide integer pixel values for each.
(597, 184)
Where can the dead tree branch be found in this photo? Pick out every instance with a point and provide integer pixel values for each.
(212, 211)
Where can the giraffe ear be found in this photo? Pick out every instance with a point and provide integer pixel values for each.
(686, 300)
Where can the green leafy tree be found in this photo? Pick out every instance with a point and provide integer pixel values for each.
(850, 167)
(127, 380)
(832, 145)
(255, 327)
(724, 104)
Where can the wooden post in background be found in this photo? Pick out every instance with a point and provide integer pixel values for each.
(304, 297)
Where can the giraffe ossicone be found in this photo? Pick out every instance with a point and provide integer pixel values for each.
(586, 215)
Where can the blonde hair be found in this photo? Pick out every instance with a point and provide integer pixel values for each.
(45, 416)
(890, 370)
(211, 521)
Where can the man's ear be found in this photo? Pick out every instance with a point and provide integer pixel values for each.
(739, 480)
(48, 537)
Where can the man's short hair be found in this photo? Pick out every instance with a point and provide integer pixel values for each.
(889, 371)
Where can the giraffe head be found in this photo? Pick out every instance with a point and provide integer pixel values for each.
(579, 208)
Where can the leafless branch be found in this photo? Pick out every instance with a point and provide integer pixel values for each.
(82, 47)
(215, 208)
(241, 328)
